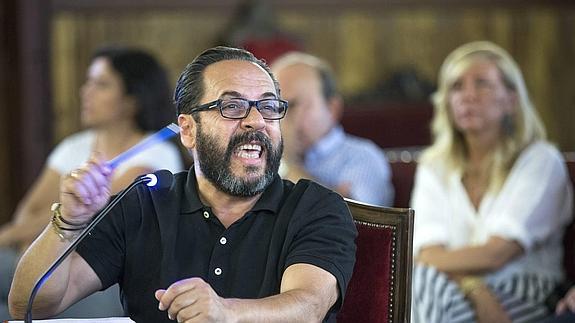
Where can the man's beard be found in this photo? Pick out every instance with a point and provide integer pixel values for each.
(216, 163)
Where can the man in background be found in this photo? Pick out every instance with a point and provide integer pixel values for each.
(315, 144)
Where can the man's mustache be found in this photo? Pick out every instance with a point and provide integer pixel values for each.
(249, 137)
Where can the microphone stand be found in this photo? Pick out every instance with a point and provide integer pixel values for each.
(81, 236)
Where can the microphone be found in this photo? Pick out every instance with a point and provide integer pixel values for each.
(159, 180)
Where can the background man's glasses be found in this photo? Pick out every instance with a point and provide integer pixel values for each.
(239, 108)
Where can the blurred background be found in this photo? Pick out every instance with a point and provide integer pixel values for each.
(386, 55)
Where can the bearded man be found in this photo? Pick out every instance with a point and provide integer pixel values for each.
(228, 241)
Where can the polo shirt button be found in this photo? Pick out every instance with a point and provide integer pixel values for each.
(206, 214)
(223, 240)
(218, 271)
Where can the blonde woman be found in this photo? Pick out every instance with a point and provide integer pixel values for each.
(492, 198)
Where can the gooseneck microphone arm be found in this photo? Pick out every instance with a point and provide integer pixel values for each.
(150, 178)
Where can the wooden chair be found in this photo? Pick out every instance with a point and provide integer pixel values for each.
(403, 164)
(380, 287)
(403, 177)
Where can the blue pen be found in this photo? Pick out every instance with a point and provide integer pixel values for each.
(161, 135)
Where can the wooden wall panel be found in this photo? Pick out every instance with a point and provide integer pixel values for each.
(175, 38)
(364, 47)
(365, 40)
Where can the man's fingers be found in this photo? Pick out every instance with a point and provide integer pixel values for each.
(87, 189)
(182, 306)
(192, 300)
(185, 314)
(168, 296)
(158, 294)
(73, 185)
(97, 180)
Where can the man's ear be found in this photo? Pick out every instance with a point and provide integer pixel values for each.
(335, 105)
(187, 130)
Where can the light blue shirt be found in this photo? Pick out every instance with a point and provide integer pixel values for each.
(340, 158)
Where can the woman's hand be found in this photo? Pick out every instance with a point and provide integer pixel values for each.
(487, 306)
(567, 302)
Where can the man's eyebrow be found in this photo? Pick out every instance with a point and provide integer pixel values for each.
(268, 95)
(231, 94)
(235, 94)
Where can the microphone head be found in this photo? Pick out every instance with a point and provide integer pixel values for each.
(159, 180)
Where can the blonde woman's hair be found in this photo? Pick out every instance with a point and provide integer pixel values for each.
(520, 128)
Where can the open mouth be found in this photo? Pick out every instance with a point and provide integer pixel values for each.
(249, 151)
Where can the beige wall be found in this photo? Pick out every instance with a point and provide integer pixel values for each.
(364, 47)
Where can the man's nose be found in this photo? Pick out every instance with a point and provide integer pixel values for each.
(254, 120)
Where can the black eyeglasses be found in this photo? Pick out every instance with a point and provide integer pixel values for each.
(239, 108)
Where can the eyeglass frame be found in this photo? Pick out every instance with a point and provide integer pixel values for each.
(218, 104)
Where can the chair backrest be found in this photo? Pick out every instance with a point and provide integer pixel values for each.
(402, 178)
(380, 287)
(403, 164)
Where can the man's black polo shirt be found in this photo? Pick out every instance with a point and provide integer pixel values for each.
(155, 238)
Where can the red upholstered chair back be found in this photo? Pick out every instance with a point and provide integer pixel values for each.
(403, 164)
(380, 287)
(402, 178)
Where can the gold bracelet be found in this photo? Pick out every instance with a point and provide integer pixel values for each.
(65, 233)
(470, 283)
(64, 236)
(57, 213)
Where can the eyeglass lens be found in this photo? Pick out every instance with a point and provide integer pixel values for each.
(238, 108)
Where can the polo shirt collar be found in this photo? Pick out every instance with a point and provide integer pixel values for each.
(190, 201)
(270, 199)
(272, 196)
(326, 145)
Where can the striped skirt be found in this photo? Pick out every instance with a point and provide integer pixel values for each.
(436, 299)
